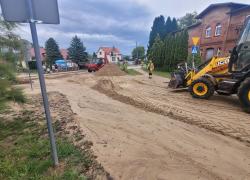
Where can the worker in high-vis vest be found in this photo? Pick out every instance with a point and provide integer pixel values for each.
(150, 68)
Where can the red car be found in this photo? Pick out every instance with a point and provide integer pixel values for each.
(95, 65)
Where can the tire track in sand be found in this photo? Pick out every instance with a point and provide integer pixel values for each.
(107, 87)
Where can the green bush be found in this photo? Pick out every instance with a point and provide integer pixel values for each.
(197, 60)
(9, 57)
(124, 67)
(6, 72)
(4, 87)
(7, 92)
(16, 94)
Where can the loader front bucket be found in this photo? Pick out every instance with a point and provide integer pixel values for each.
(177, 80)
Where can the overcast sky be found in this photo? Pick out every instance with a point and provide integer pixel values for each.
(117, 23)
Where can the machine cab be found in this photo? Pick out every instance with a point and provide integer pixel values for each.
(240, 58)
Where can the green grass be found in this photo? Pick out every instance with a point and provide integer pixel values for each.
(25, 152)
(133, 72)
(160, 73)
(2, 105)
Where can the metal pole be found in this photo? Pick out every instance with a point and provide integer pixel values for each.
(42, 84)
(137, 51)
(31, 85)
(193, 63)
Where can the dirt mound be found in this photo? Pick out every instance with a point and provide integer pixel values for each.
(107, 85)
(110, 70)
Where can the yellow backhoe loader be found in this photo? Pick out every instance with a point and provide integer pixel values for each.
(226, 76)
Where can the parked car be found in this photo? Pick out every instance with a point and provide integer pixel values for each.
(71, 66)
(61, 64)
(66, 65)
(95, 65)
(83, 65)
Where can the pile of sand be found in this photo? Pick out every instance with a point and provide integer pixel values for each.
(110, 70)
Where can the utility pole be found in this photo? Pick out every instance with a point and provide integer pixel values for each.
(137, 51)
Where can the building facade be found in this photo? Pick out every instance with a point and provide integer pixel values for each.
(219, 28)
(64, 53)
(109, 55)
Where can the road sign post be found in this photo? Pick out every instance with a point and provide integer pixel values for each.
(195, 49)
(42, 84)
(32, 11)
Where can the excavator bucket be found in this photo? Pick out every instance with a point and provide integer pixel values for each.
(177, 80)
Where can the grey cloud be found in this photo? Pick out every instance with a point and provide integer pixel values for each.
(100, 23)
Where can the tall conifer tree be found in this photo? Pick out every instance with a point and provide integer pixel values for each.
(77, 51)
(52, 51)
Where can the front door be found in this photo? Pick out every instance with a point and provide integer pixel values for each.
(209, 53)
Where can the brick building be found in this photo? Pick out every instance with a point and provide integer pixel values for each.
(219, 28)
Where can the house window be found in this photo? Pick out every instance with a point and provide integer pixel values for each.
(113, 58)
(100, 53)
(218, 30)
(208, 31)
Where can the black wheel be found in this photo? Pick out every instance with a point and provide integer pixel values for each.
(244, 95)
(89, 70)
(201, 88)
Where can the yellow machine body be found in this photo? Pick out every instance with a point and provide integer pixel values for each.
(217, 66)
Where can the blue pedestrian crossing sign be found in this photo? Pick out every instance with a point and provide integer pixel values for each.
(195, 49)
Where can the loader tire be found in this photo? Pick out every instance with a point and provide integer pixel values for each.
(202, 88)
(244, 95)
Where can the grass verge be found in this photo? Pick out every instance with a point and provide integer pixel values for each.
(133, 72)
(160, 73)
(2, 105)
(25, 152)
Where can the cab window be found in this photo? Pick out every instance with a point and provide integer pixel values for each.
(245, 37)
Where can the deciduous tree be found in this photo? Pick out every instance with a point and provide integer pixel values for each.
(187, 20)
(138, 52)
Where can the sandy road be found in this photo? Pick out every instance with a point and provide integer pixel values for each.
(220, 114)
(143, 131)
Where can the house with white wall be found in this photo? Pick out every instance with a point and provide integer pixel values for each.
(109, 54)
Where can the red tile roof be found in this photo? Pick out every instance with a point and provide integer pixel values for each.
(42, 53)
(108, 50)
(64, 53)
